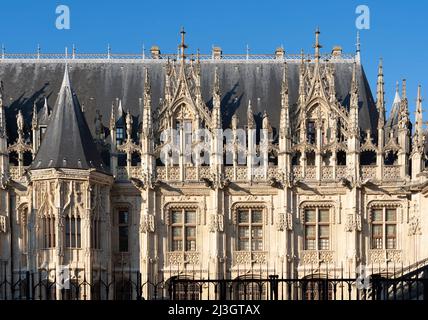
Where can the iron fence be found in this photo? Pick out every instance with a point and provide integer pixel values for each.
(130, 285)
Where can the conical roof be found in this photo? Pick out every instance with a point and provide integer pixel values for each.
(395, 110)
(68, 142)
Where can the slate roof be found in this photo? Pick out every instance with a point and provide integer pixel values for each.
(67, 142)
(98, 84)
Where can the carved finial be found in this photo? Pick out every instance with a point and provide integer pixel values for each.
(380, 96)
(128, 124)
(317, 45)
(20, 122)
(34, 123)
(112, 118)
(216, 81)
(234, 121)
(358, 41)
(1, 93)
(419, 119)
(216, 114)
(284, 82)
(120, 109)
(183, 45)
(404, 93)
(250, 116)
(265, 121)
(354, 101)
(354, 78)
(147, 85)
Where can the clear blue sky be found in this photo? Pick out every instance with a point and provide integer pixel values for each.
(397, 31)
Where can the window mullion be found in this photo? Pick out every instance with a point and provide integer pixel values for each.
(384, 241)
(317, 242)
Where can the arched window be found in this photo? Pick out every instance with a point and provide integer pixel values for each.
(249, 288)
(341, 158)
(182, 288)
(120, 135)
(96, 232)
(23, 237)
(47, 224)
(391, 158)
(310, 158)
(311, 132)
(72, 232)
(367, 158)
(123, 229)
(317, 289)
(27, 158)
(295, 161)
(326, 158)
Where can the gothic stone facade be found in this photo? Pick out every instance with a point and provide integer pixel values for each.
(331, 185)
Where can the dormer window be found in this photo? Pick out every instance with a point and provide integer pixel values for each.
(311, 132)
(120, 135)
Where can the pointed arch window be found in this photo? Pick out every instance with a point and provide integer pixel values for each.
(123, 230)
(311, 132)
(73, 232)
(120, 135)
(48, 232)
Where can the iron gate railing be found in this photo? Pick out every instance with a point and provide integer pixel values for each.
(129, 286)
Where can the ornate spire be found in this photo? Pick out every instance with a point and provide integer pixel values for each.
(2, 114)
(317, 45)
(147, 84)
(216, 114)
(46, 108)
(380, 96)
(302, 91)
(20, 123)
(183, 45)
(167, 91)
(250, 117)
(403, 90)
(112, 118)
(3, 142)
(34, 121)
(266, 122)
(128, 125)
(358, 45)
(120, 109)
(354, 100)
(419, 135)
(403, 120)
(234, 122)
(147, 114)
(284, 101)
